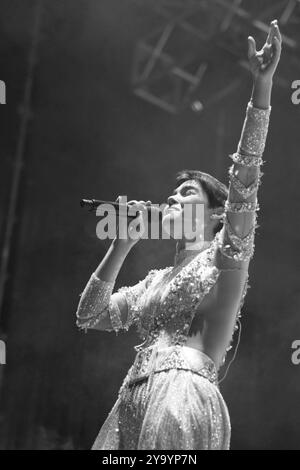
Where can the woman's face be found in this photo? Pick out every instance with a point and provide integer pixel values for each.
(185, 213)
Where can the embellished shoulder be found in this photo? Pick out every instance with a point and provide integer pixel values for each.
(155, 272)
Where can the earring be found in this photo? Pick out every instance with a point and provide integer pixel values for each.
(216, 216)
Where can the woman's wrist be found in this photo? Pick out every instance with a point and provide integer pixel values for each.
(263, 81)
(121, 246)
(261, 92)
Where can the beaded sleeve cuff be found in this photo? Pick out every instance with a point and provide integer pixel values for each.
(249, 154)
(244, 191)
(255, 130)
(246, 160)
(238, 248)
(244, 206)
(94, 302)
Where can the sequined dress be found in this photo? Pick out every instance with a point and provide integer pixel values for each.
(170, 398)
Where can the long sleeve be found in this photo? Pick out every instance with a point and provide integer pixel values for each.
(99, 303)
(237, 237)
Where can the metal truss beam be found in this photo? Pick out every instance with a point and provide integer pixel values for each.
(167, 78)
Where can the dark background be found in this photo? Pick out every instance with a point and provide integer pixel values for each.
(90, 136)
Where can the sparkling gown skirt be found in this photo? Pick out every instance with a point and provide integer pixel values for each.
(182, 411)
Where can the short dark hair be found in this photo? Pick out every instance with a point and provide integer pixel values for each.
(216, 191)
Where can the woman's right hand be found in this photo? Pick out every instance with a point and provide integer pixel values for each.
(130, 231)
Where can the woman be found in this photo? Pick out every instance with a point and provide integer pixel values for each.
(186, 314)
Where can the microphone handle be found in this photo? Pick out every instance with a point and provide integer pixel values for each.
(92, 204)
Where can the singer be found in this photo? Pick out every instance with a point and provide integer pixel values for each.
(186, 314)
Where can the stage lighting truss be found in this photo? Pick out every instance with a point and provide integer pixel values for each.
(172, 63)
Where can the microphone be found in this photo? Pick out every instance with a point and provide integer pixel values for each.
(92, 205)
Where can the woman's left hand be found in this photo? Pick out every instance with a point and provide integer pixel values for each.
(263, 63)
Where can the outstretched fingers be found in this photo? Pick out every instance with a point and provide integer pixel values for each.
(251, 47)
(271, 32)
(276, 42)
(277, 49)
(277, 33)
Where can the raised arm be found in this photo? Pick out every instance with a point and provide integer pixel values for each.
(237, 241)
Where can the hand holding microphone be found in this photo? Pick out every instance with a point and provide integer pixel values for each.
(137, 221)
(131, 219)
